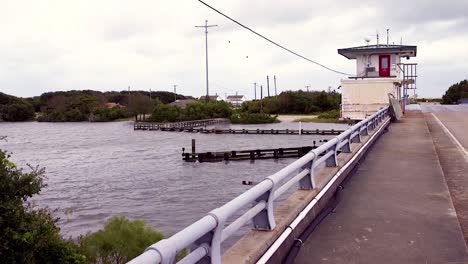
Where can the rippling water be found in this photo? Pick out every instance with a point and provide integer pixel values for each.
(98, 170)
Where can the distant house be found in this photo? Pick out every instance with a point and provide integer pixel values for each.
(235, 100)
(211, 98)
(463, 101)
(183, 102)
(112, 105)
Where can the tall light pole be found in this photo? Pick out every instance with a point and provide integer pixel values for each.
(206, 26)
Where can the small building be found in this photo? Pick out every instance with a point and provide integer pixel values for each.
(379, 72)
(235, 100)
(182, 103)
(463, 101)
(211, 98)
(112, 105)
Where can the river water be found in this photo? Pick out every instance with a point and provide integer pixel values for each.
(98, 170)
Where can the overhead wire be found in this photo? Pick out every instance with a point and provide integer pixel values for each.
(273, 42)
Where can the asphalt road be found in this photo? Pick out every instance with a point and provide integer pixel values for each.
(453, 117)
(448, 125)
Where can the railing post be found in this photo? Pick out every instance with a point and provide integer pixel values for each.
(365, 131)
(346, 148)
(265, 220)
(332, 160)
(308, 181)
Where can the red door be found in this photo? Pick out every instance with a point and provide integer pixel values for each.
(384, 65)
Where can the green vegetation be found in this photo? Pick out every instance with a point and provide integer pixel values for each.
(332, 116)
(299, 102)
(15, 109)
(252, 118)
(31, 235)
(455, 93)
(195, 111)
(120, 241)
(28, 235)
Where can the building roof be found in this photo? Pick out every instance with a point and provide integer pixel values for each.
(210, 97)
(402, 50)
(183, 102)
(234, 97)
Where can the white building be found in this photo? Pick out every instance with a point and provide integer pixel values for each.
(235, 100)
(211, 98)
(379, 72)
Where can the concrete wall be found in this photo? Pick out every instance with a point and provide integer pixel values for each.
(362, 98)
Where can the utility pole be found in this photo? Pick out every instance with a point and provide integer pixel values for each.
(261, 98)
(268, 86)
(150, 94)
(175, 93)
(307, 87)
(129, 95)
(206, 26)
(255, 91)
(274, 81)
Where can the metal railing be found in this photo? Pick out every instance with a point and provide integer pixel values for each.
(205, 236)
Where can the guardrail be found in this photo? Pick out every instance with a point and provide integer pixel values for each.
(205, 236)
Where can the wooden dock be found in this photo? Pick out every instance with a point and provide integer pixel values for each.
(178, 125)
(249, 131)
(254, 154)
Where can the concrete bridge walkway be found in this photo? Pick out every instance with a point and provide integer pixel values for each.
(396, 208)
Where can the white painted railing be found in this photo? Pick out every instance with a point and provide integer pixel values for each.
(205, 236)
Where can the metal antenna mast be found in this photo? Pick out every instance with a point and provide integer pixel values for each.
(206, 26)
(307, 87)
(255, 91)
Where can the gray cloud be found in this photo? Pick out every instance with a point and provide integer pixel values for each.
(109, 45)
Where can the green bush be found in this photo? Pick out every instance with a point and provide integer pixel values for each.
(194, 111)
(119, 242)
(252, 118)
(333, 114)
(105, 114)
(15, 109)
(295, 102)
(456, 92)
(28, 235)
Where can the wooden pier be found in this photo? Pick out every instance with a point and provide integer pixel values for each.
(178, 125)
(248, 131)
(254, 154)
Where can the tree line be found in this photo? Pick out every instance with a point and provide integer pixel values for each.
(87, 105)
(455, 93)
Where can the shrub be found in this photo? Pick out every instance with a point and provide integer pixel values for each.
(456, 92)
(252, 118)
(28, 235)
(119, 242)
(333, 114)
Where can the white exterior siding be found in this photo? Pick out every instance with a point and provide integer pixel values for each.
(361, 98)
(362, 61)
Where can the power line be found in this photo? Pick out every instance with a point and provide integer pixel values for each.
(273, 42)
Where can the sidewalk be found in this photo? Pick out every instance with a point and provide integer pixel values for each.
(396, 208)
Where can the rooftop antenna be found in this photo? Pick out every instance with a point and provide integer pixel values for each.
(388, 30)
(377, 38)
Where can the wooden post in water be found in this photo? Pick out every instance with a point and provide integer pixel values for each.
(193, 146)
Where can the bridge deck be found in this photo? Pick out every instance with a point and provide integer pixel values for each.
(396, 208)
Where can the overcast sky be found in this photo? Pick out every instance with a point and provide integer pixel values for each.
(112, 44)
